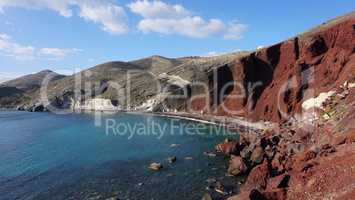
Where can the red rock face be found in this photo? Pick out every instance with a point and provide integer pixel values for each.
(276, 80)
(330, 177)
(257, 178)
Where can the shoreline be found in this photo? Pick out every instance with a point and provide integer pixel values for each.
(231, 123)
(235, 124)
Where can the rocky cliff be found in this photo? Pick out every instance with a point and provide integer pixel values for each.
(271, 83)
(307, 85)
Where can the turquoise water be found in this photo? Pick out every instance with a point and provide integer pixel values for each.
(47, 156)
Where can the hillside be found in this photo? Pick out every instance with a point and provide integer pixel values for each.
(157, 64)
(109, 80)
(32, 81)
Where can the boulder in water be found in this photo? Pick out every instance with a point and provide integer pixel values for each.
(172, 159)
(155, 166)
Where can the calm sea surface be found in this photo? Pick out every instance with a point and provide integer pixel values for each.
(47, 156)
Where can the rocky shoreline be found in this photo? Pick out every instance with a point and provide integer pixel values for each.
(283, 161)
(286, 160)
(298, 160)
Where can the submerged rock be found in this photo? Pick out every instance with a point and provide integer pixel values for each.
(209, 154)
(172, 159)
(219, 187)
(156, 166)
(174, 145)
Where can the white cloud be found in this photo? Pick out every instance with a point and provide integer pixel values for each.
(158, 9)
(235, 31)
(5, 37)
(26, 52)
(158, 17)
(60, 6)
(168, 19)
(111, 17)
(194, 27)
(12, 49)
(57, 53)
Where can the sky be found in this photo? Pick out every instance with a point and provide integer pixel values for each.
(63, 35)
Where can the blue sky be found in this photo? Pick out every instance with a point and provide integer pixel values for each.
(66, 34)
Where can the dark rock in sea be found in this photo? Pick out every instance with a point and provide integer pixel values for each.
(211, 180)
(172, 159)
(37, 108)
(20, 108)
(219, 187)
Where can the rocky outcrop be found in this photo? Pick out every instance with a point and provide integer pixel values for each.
(303, 161)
